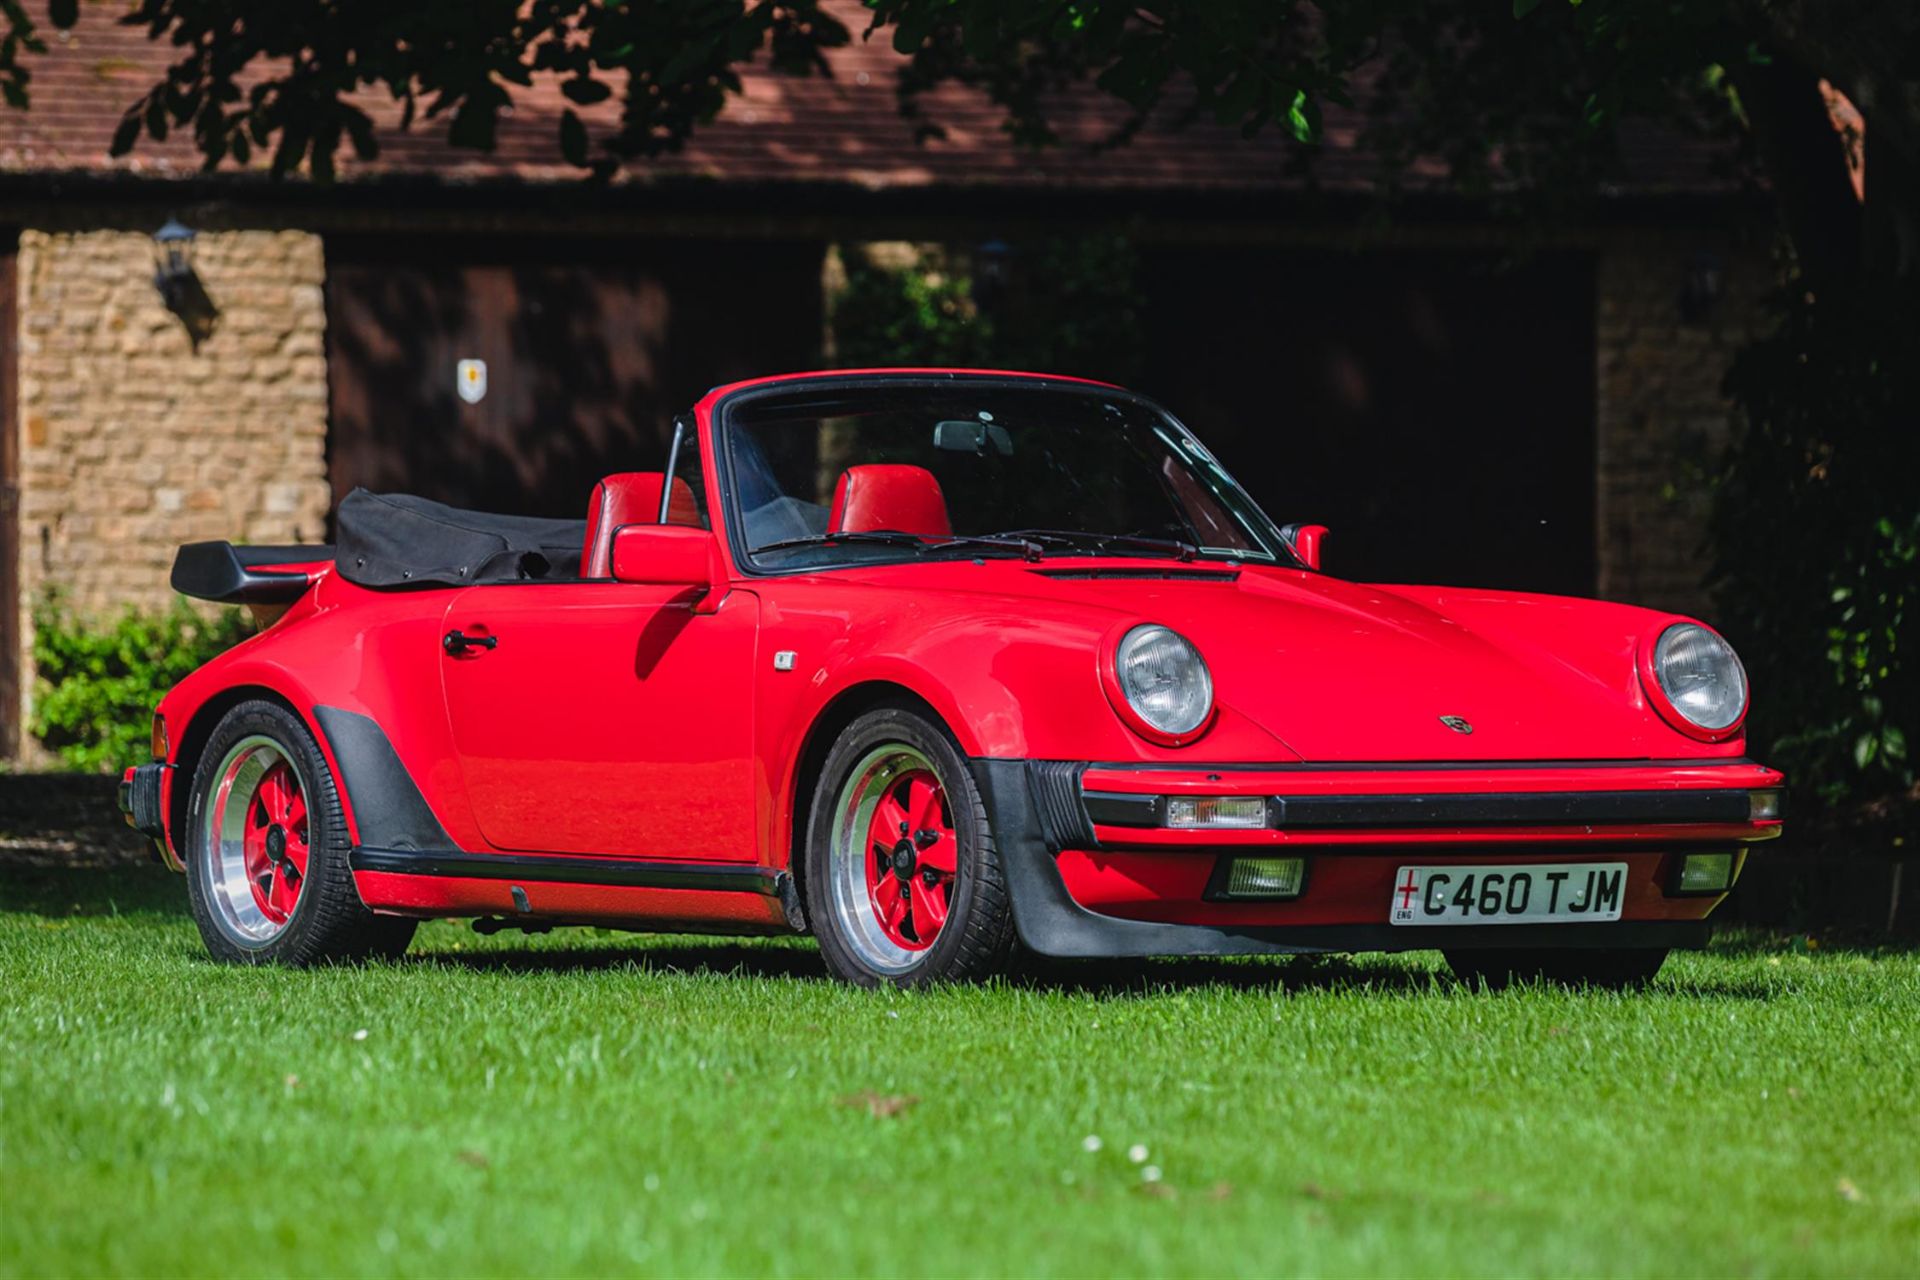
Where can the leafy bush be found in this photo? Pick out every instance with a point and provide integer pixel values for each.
(96, 684)
(1817, 535)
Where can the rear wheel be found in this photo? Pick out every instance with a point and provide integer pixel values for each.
(267, 849)
(902, 877)
(1609, 970)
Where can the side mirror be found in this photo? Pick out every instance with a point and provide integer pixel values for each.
(1304, 541)
(668, 555)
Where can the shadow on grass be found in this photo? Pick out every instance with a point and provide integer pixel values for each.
(1384, 976)
(91, 891)
(135, 890)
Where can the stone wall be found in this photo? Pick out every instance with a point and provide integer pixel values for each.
(1661, 418)
(133, 442)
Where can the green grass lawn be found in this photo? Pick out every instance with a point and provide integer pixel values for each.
(587, 1103)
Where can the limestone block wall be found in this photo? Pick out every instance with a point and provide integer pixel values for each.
(1662, 420)
(131, 442)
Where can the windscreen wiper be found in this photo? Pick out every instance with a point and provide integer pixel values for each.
(1027, 547)
(1101, 541)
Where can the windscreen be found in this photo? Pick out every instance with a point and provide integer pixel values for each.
(898, 472)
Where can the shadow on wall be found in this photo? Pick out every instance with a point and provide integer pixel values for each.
(586, 354)
(1436, 409)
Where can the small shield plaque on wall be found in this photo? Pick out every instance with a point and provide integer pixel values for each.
(470, 380)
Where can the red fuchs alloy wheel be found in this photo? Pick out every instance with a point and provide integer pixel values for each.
(915, 856)
(266, 849)
(274, 842)
(258, 837)
(900, 871)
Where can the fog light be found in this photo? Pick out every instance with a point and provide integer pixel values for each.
(1705, 873)
(1763, 806)
(1266, 877)
(1243, 812)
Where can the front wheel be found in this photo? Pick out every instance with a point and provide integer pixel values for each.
(902, 877)
(1609, 970)
(267, 845)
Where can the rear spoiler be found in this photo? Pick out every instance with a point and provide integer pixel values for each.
(227, 574)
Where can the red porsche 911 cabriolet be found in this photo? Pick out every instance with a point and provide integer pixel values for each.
(933, 663)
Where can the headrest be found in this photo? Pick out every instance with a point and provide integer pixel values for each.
(889, 496)
(629, 497)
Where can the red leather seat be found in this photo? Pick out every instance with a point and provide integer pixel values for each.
(629, 497)
(890, 496)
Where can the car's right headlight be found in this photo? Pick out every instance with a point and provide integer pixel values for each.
(1163, 682)
(1700, 678)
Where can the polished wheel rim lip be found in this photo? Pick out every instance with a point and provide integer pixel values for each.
(891, 903)
(255, 843)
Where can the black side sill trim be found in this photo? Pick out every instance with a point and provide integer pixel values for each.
(620, 872)
(1487, 809)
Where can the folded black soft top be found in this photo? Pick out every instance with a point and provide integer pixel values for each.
(396, 539)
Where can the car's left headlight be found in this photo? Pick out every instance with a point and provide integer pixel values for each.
(1700, 677)
(1166, 691)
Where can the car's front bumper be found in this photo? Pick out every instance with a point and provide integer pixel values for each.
(143, 802)
(1094, 870)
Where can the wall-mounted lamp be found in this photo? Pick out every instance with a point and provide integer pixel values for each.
(179, 284)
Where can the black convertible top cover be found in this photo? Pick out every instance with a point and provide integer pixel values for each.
(398, 540)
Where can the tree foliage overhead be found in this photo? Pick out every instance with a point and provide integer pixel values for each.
(1509, 96)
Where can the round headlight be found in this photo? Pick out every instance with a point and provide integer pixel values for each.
(1700, 676)
(1164, 679)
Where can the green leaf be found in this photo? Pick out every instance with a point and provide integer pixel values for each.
(1521, 8)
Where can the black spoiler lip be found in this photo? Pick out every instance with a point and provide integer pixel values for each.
(226, 574)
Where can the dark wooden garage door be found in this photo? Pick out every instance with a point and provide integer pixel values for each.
(1436, 409)
(590, 347)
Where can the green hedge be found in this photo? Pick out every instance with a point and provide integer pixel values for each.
(96, 683)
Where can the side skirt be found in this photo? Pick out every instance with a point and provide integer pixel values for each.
(626, 873)
(646, 895)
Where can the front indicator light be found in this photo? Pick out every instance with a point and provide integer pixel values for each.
(1217, 812)
(1764, 806)
(161, 747)
(1266, 877)
(1704, 873)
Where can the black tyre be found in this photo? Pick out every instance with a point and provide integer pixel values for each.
(1609, 970)
(266, 850)
(902, 878)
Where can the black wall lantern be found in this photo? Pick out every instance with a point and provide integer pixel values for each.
(179, 284)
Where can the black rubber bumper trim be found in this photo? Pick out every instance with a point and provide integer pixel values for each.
(1479, 809)
(1053, 924)
(626, 873)
(140, 800)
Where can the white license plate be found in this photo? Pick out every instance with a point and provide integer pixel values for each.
(1522, 894)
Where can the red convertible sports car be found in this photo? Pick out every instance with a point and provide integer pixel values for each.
(932, 663)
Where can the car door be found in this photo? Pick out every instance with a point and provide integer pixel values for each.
(604, 718)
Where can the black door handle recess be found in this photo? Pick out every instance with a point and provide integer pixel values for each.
(458, 642)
